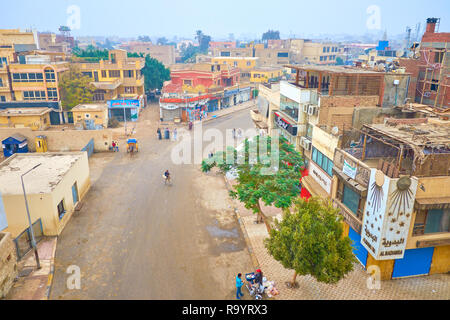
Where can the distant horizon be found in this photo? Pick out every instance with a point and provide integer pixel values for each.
(182, 19)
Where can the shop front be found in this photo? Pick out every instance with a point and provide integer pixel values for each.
(124, 109)
(287, 129)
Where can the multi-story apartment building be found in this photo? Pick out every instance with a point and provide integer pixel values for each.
(244, 64)
(429, 66)
(266, 74)
(388, 187)
(267, 57)
(164, 54)
(35, 78)
(201, 87)
(118, 81)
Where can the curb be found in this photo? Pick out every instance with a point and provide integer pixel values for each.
(52, 272)
(243, 229)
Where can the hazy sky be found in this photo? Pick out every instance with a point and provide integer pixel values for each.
(129, 18)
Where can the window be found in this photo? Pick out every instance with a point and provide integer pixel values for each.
(437, 220)
(50, 75)
(52, 94)
(128, 73)
(87, 115)
(249, 63)
(324, 49)
(328, 49)
(235, 63)
(99, 95)
(325, 58)
(61, 209)
(28, 77)
(2, 99)
(114, 73)
(290, 107)
(322, 161)
(34, 95)
(321, 58)
(351, 200)
(438, 56)
(87, 73)
(129, 89)
(187, 82)
(1, 82)
(103, 73)
(225, 54)
(283, 54)
(434, 85)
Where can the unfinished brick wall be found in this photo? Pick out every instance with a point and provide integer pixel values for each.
(8, 263)
(338, 110)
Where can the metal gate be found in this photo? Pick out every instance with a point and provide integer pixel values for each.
(23, 241)
(358, 250)
(415, 262)
(89, 147)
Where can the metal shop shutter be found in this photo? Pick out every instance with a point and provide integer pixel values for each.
(415, 262)
(358, 250)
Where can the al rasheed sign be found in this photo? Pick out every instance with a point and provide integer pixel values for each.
(388, 215)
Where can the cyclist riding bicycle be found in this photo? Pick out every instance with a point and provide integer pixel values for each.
(167, 176)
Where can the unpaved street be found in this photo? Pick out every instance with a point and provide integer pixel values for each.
(136, 238)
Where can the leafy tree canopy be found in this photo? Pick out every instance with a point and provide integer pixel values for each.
(310, 241)
(155, 73)
(75, 88)
(271, 35)
(162, 41)
(259, 179)
(144, 39)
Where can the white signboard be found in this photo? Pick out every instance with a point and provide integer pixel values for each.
(388, 215)
(349, 170)
(322, 179)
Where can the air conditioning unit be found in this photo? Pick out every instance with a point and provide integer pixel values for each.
(312, 110)
(305, 108)
(305, 143)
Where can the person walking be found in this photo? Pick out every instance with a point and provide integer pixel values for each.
(175, 134)
(239, 133)
(234, 133)
(239, 284)
(167, 134)
(114, 146)
(117, 146)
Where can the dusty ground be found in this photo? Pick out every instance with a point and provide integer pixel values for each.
(136, 238)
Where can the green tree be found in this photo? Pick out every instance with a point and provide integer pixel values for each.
(189, 53)
(259, 180)
(162, 41)
(75, 88)
(155, 73)
(271, 35)
(310, 241)
(203, 41)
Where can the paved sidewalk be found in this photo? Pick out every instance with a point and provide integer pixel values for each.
(37, 284)
(352, 287)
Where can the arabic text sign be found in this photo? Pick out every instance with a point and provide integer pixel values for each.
(349, 170)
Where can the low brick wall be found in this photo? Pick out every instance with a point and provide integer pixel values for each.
(8, 263)
(67, 140)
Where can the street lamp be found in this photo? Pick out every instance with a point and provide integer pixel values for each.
(33, 240)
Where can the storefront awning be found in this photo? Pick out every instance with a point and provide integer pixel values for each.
(432, 203)
(314, 188)
(352, 184)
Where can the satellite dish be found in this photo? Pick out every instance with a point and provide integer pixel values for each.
(335, 131)
(400, 53)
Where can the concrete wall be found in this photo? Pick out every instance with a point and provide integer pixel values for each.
(67, 140)
(391, 91)
(8, 263)
(324, 142)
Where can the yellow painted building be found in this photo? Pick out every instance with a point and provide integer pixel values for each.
(34, 118)
(53, 189)
(118, 77)
(242, 63)
(266, 74)
(37, 80)
(97, 112)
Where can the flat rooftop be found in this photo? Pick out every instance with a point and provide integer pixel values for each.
(332, 69)
(24, 111)
(419, 134)
(236, 58)
(90, 107)
(54, 166)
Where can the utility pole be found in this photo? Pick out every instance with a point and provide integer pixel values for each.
(33, 240)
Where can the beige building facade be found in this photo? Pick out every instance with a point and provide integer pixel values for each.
(53, 189)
